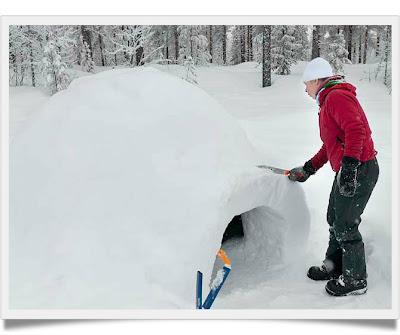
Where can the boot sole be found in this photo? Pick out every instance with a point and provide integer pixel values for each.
(355, 292)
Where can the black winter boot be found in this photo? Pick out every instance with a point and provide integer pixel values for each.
(339, 287)
(324, 272)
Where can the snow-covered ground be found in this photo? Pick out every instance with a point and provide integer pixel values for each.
(281, 122)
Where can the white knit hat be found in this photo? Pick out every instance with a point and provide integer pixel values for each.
(316, 69)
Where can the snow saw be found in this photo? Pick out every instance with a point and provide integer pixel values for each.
(216, 285)
(275, 170)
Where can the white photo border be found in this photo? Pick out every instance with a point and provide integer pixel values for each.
(7, 313)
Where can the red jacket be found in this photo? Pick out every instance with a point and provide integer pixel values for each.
(343, 126)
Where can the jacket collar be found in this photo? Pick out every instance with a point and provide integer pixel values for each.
(327, 85)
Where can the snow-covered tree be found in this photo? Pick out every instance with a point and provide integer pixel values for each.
(190, 70)
(53, 68)
(236, 50)
(224, 31)
(17, 55)
(193, 43)
(87, 63)
(25, 53)
(335, 51)
(128, 42)
(348, 36)
(316, 41)
(302, 49)
(388, 58)
(285, 48)
(266, 59)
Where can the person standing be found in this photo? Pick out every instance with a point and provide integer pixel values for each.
(348, 146)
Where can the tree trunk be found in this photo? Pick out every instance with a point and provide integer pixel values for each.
(101, 46)
(359, 48)
(87, 37)
(176, 36)
(365, 45)
(31, 57)
(191, 42)
(126, 56)
(349, 41)
(139, 56)
(167, 43)
(387, 52)
(249, 43)
(266, 56)
(115, 55)
(224, 44)
(315, 50)
(242, 45)
(11, 59)
(22, 78)
(377, 44)
(210, 42)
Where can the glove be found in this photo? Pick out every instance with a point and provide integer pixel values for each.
(347, 176)
(302, 173)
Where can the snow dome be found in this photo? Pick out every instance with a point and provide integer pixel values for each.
(122, 187)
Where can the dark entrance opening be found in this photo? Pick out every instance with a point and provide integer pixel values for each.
(234, 229)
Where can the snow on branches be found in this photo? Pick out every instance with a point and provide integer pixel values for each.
(335, 51)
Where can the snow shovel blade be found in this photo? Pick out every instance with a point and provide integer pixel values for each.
(275, 170)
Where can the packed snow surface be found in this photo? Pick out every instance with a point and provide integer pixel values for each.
(121, 188)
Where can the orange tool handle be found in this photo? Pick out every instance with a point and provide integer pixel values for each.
(223, 256)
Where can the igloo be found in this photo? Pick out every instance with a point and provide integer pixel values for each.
(121, 188)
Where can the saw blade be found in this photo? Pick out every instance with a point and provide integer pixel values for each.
(274, 169)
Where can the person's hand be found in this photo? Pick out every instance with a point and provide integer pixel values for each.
(301, 173)
(347, 176)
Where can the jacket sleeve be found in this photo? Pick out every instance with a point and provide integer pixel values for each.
(320, 158)
(345, 111)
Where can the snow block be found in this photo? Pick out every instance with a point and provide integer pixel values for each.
(133, 173)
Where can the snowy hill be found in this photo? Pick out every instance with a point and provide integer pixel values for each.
(121, 188)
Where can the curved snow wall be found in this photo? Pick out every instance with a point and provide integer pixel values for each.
(275, 218)
(121, 188)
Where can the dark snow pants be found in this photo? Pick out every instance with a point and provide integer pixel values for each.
(346, 247)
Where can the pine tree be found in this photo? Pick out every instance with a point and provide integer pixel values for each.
(360, 45)
(210, 42)
(388, 58)
(316, 38)
(190, 70)
(242, 44)
(235, 50)
(349, 41)
(284, 49)
(54, 69)
(266, 56)
(176, 44)
(25, 53)
(87, 63)
(249, 43)
(224, 30)
(366, 35)
(17, 55)
(193, 43)
(302, 44)
(335, 51)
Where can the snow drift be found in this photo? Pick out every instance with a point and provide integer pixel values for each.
(121, 188)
